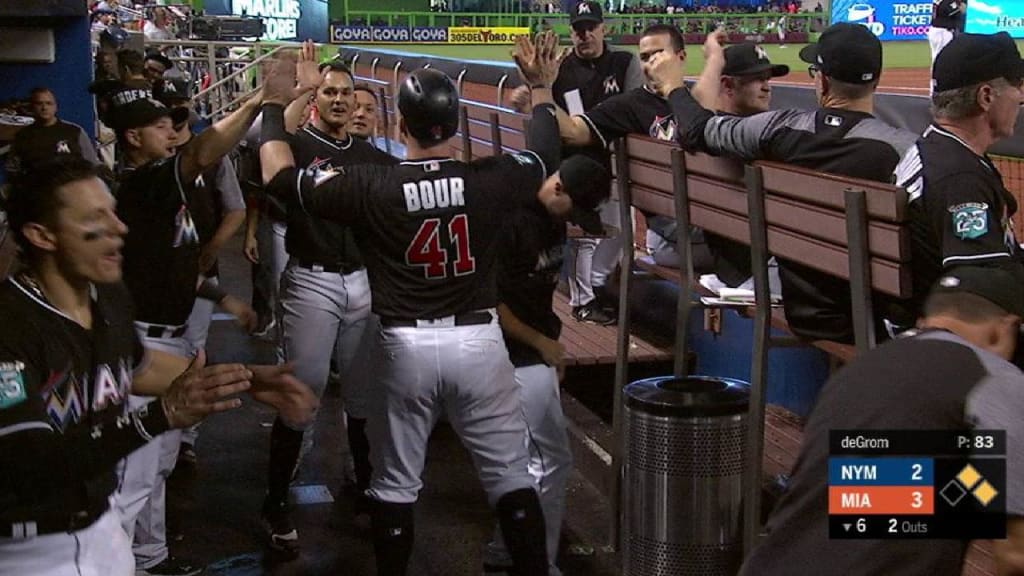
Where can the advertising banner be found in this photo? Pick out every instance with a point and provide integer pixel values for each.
(282, 19)
(996, 16)
(888, 19)
(496, 35)
(341, 34)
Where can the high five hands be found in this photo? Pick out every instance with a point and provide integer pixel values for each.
(291, 74)
(538, 59)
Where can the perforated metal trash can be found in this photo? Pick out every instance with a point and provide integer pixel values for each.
(682, 487)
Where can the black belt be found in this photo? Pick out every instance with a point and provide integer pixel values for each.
(32, 528)
(332, 268)
(463, 319)
(162, 331)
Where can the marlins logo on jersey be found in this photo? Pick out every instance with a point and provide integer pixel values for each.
(663, 128)
(184, 228)
(63, 148)
(67, 396)
(611, 85)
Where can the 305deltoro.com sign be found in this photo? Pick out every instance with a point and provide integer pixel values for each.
(485, 35)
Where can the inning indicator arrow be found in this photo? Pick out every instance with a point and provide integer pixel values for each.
(847, 527)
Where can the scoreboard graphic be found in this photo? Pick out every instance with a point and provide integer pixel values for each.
(917, 484)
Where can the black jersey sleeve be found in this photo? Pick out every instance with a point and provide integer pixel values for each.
(544, 138)
(745, 137)
(968, 217)
(35, 456)
(613, 119)
(335, 194)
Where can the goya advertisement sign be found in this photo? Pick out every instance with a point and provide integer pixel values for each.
(342, 34)
(887, 19)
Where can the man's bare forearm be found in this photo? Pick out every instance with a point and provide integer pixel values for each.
(206, 149)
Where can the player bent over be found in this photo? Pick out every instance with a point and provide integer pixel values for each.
(69, 357)
(429, 230)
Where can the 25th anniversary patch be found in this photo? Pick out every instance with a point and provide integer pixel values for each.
(970, 220)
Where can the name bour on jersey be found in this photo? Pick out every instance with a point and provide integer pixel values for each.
(436, 193)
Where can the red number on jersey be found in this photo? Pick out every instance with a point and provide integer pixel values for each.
(458, 229)
(425, 249)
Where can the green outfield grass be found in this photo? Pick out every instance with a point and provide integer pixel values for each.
(896, 54)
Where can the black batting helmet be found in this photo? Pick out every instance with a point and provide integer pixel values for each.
(429, 103)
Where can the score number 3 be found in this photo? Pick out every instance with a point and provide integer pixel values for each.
(425, 249)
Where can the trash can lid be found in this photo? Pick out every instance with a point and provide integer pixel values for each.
(688, 397)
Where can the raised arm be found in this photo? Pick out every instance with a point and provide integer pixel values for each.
(205, 150)
(709, 84)
(538, 63)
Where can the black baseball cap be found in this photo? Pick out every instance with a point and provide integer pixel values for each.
(588, 183)
(137, 108)
(1002, 286)
(586, 12)
(172, 91)
(747, 59)
(974, 58)
(847, 52)
(163, 60)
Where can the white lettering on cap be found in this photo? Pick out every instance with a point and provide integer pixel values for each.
(583, 8)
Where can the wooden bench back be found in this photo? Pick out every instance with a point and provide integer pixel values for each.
(805, 210)
(807, 218)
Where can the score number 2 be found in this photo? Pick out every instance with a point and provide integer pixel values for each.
(425, 249)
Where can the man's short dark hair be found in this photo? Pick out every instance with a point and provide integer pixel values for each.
(364, 87)
(673, 33)
(33, 195)
(964, 306)
(131, 60)
(40, 90)
(337, 66)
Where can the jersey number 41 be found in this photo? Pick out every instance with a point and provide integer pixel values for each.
(425, 249)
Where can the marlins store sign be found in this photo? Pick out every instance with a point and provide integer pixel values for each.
(282, 19)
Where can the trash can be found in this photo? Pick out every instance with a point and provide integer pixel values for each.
(682, 488)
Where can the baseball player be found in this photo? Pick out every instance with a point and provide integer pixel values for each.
(69, 357)
(959, 205)
(156, 199)
(592, 73)
(47, 136)
(429, 229)
(948, 19)
(324, 301)
(222, 213)
(365, 115)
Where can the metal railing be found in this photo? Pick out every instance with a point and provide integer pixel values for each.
(616, 23)
(226, 72)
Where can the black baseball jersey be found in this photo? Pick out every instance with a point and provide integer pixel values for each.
(429, 230)
(38, 144)
(960, 211)
(832, 140)
(315, 239)
(64, 421)
(528, 275)
(161, 250)
(593, 81)
(933, 381)
(596, 79)
(638, 111)
(949, 14)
